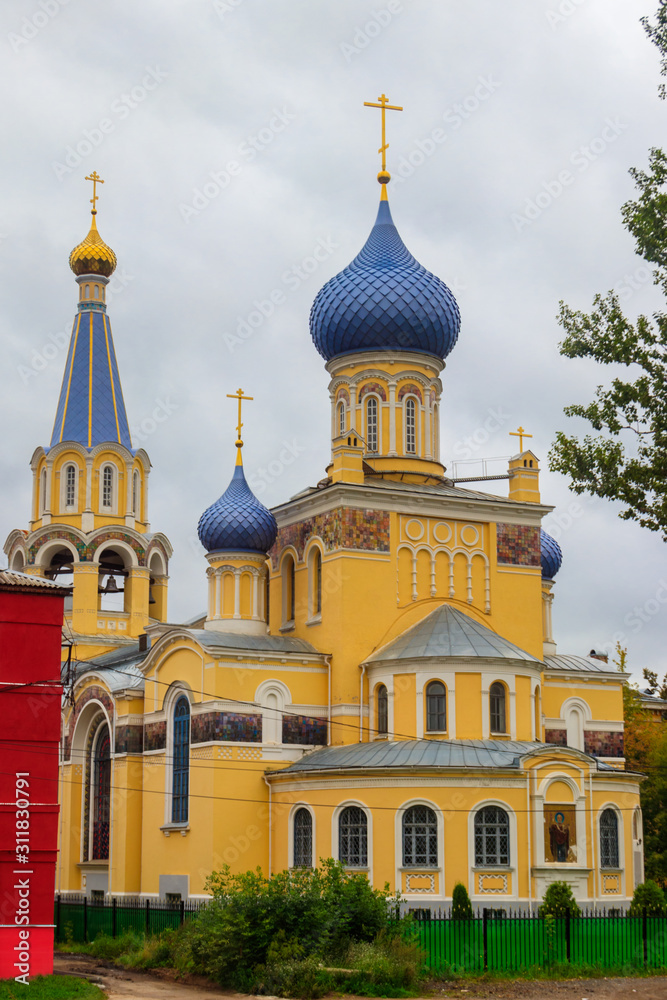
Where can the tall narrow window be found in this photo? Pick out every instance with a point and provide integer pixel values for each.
(353, 837)
(492, 837)
(107, 486)
(341, 418)
(436, 707)
(101, 773)
(317, 583)
(383, 713)
(42, 492)
(372, 424)
(608, 839)
(181, 765)
(292, 590)
(410, 427)
(497, 708)
(303, 839)
(420, 837)
(70, 485)
(136, 486)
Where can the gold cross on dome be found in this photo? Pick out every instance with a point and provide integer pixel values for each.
(384, 105)
(238, 395)
(521, 434)
(96, 179)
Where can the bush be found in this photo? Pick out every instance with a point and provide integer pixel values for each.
(461, 905)
(648, 896)
(558, 900)
(388, 966)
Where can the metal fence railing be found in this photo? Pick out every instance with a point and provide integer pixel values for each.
(78, 918)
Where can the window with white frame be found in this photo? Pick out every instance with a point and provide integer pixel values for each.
(420, 837)
(136, 494)
(315, 566)
(436, 707)
(42, 492)
(382, 710)
(371, 424)
(107, 486)
(181, 761)
(608, 839)
(341, 417)
(410, 426)
(353, 837)
(303, 839)
(492, 837)
(497, 710)
(289, 589)
(70, 486)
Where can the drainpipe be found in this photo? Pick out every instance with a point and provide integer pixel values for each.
(593, 839)
(529, 818)
(61, 790)
(327, 660)
(268, 785)
(361, 703)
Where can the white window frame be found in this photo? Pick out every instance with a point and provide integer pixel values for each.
(371, 397)
(66, 507)
(112, 507)
(341, 417)
(415, 405)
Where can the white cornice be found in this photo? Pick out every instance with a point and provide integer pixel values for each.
(385, 359)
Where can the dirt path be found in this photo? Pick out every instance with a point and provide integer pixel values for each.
(122, 984)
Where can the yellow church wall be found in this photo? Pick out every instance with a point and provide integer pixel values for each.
(127, 816)
(516, 607)
(405, 705)
(524, 708)
(605, 700)
(469, 706)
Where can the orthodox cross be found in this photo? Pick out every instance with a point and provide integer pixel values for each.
(96, 179)
(520, 434)
(384, 106)
(238, 395)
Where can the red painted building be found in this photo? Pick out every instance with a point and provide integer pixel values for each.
(31, 616)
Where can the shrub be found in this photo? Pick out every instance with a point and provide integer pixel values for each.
(558, 900)
(648, 896)
(388, 966)
(461, 905)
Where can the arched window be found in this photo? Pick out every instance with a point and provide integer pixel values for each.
(410, 426)
(436, 707)
(574, 723)
(372, 424)
(289, 588)
(303, 839)
(497, 711)
(492, 837)
(538, 715)
(420, 837)
(70, 485)
(383, 710)
(101, 775)
(42, 492)
(181, 766)
(353, 837)
(608, 839)
(107, 486)
(136, 494)
(341, 418)
(315, 582)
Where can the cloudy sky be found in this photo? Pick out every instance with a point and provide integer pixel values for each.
(233, 142)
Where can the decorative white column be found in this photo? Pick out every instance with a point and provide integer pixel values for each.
(392, 418)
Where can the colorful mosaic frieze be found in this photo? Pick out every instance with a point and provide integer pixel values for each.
(410, 389)
(305, 730)
(518, 545)
(85, 552)
(343, 394)
(64, 535)
(226, 726)
(155, 735)
(373, 387)
(603, 744)
(121, 536)
(558, 737)
(341, 528)
(93, 693)
(129, 739)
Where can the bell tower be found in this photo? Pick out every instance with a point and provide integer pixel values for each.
(89, 524)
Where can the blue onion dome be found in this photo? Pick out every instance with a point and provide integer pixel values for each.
(237, 521)
(384, 301)
(552, 557)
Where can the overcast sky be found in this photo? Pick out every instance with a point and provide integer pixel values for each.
(233, 141)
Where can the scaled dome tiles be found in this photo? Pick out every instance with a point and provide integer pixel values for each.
(93, 256)
(552, 557)
(384, 301)
(237, 522)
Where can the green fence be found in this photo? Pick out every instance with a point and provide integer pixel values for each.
(498, 942)
(82, 919)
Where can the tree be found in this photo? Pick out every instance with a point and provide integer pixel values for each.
(628, 460)
(649, 897)
(461, 905)
(558, 901)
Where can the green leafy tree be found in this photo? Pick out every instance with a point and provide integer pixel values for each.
(558, 901)
(461, 905)
(627, 459)
(649, 897)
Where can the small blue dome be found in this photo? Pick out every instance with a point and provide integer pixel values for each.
(552, 557)
(237, 521)
(384, 301)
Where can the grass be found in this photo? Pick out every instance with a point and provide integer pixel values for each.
(130, 949)
(557, 971)
(51, 988)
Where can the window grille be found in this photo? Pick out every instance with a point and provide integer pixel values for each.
(181, 765)
(497, 708)
(107, 486)
(303, 839)
(292, 589)
(608, 839)
(410, 427)
(383, 710)
(70, 485)
(353, 837)
(436, 707)
(420, 837)
(492, 837)
(372, 424)
(101, 796)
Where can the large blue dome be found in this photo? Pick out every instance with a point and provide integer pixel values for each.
(552, 557)
(237, 521)
(384, 301)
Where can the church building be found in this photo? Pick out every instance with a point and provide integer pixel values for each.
(374, 678)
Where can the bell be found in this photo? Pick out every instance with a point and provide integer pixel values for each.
(111, 587)
(151, 599)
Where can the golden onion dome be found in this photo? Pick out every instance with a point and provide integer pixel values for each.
(93, 256)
